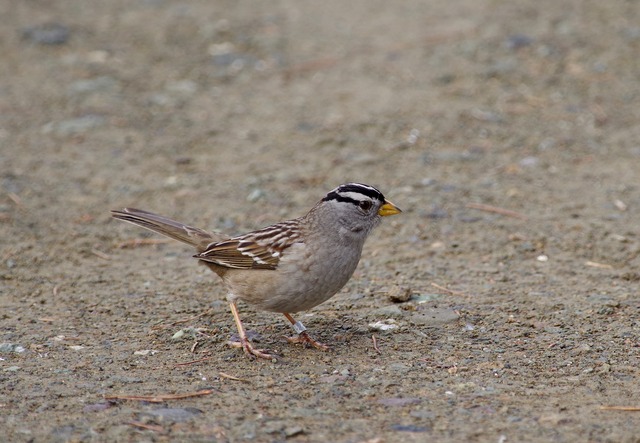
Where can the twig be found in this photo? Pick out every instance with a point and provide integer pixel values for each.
(594, 264)
(620, 408)
(449, 291)
(141, 242)
(100, 254)
(159, 398)
(15, 198)
(193, 347)
(375, 344)
(231, 377)
(496, 210)
(154, 428)
(193, 361)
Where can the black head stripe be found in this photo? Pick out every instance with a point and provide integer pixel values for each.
(358, 188)
(333, 195)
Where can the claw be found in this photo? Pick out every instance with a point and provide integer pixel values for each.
(306, 339)
(249, 350)
(244, 342)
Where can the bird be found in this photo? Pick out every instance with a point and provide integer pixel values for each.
(286, 267)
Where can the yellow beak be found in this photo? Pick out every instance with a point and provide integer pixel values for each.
(388, 209)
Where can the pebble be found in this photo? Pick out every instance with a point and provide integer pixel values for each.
(255, 195)
(173, 414)
(47, 34)
(383, 326)
(409, 428)
(529, 161)
(145, 352)
(6, 348)
(178, 335)
(399, 294)
(292, 431)
(425, 298)
(74, 126)
(99, 84)
(527, 247)
(517, 41)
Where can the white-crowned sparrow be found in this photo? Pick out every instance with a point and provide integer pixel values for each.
(290, 266)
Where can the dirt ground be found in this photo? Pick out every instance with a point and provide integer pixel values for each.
(520, 326)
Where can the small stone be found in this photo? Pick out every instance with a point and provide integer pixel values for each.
(425, 298)
(383, 326)
(145, 352)
(255, 195)
(47, 34)
(292, 431)
(6, 347)
(529, 162)
(173, 415)
(527, 247)
(517, 41)
(399, 294)
(409, 428)
(74, 126)
(620, 205)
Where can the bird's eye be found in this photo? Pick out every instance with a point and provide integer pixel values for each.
(365, 205)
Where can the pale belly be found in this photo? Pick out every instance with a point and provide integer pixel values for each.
(295, 288)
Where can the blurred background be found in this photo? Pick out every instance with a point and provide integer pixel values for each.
(506, 130)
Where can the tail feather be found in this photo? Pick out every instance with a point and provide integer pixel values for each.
(198, 238)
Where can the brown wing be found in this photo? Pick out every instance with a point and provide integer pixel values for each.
(257, 250)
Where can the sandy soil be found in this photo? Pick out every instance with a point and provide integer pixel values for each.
(520, 325)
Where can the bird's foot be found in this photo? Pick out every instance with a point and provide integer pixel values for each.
(249, 350)
(306, 339)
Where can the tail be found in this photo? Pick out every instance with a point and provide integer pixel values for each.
(195, 237)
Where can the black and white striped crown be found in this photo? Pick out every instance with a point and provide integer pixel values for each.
(353, 193)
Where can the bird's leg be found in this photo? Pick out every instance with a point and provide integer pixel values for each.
(244, 341)
(303, 337)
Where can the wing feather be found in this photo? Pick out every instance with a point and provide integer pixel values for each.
(261, 249)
